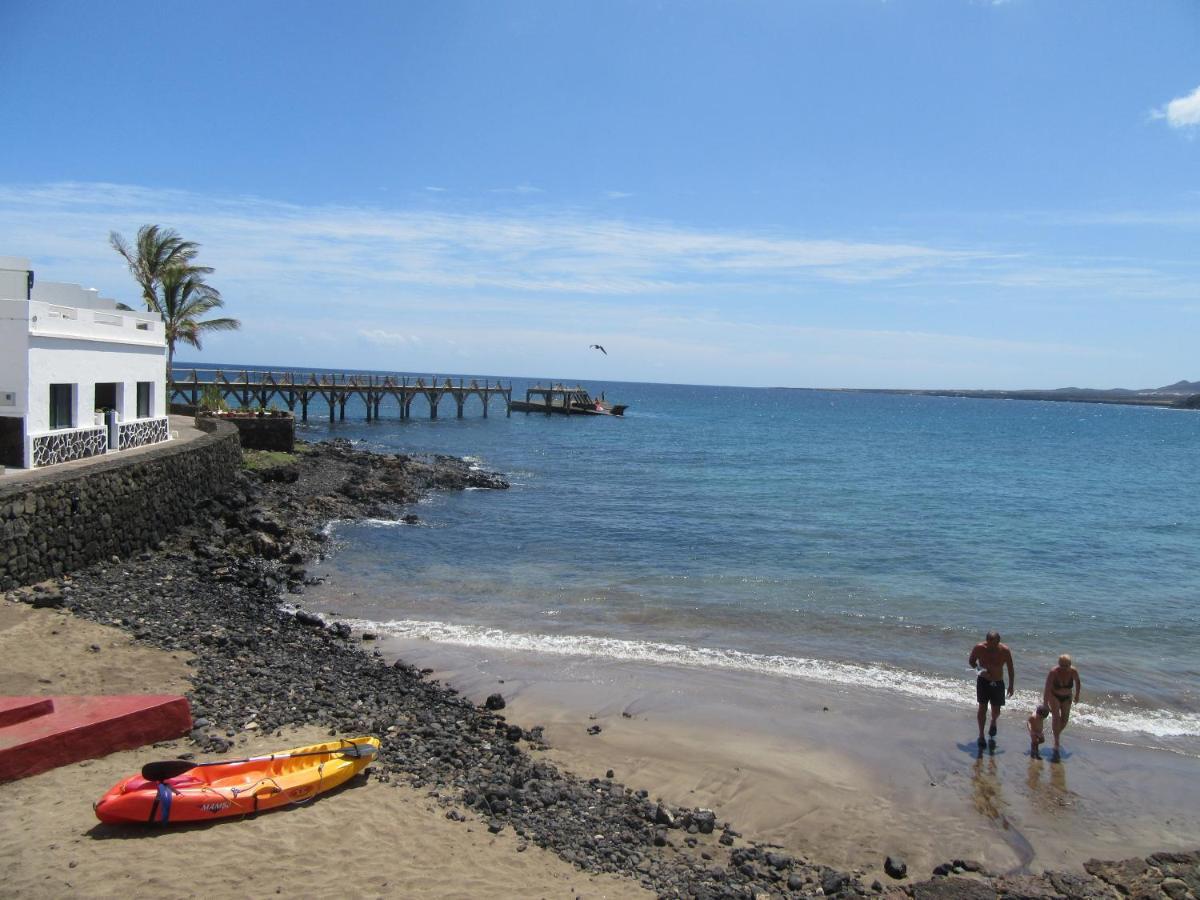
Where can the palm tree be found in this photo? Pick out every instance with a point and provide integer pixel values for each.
(157, 249)
(182, 300)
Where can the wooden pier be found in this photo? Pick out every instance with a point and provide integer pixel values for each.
(252, 388)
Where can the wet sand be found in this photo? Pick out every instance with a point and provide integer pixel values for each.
(841, 777)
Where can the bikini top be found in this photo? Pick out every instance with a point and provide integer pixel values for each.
(1059, 686)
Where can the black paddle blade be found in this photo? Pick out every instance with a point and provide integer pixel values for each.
(166, 768)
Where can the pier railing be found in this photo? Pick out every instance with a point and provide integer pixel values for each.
(250, 388)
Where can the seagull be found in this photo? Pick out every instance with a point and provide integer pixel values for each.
(597, 347)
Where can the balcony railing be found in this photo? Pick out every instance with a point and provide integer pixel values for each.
(53, 320)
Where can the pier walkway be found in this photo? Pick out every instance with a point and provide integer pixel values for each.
(250, 388)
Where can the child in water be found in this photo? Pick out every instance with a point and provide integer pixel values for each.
(1037, 723)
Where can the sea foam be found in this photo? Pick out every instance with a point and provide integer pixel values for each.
(1159, 723)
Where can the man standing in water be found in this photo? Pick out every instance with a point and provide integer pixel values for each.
(991, 657)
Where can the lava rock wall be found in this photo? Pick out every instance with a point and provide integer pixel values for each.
(62, 521)
(260, 432)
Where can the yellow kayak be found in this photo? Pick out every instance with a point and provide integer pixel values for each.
(182, 791)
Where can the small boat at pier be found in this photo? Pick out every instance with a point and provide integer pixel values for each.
(575, 401)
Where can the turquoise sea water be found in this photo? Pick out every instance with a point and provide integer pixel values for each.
(862, 539)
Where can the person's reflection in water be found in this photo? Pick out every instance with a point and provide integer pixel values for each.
(1058, 784)
(1053, 796)
(985, 785)
(1033, 776)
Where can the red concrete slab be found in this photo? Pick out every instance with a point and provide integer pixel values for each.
(18, 709)
(78, 728)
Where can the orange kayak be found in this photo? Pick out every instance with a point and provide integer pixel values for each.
(170, 792)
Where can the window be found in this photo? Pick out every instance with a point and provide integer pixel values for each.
(62, 406)
(106, 395)
(143, 400)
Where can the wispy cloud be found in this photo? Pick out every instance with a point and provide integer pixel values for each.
(1182, 112)
(388, 338)
(558, 253)
(518, 189)
(525, 293)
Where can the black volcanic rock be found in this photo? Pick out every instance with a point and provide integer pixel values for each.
(895, 867)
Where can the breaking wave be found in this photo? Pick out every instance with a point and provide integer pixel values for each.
(1156, 722)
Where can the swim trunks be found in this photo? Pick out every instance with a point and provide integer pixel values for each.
(989, 691)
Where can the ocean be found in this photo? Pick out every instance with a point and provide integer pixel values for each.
(861, 540)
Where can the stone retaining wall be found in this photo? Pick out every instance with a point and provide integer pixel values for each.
(65, 520)
(260, 432)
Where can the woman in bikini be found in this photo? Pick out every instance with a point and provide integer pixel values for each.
(1062, 689)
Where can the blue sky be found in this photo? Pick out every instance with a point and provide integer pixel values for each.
(814, 194)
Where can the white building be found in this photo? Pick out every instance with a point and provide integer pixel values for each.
(67, 357)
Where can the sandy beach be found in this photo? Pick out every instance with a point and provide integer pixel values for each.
(844, 777)
(367, 839)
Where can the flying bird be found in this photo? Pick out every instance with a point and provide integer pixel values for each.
(597, 347)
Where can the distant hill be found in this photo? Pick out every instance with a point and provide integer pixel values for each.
(1180, 387)
(1181, 394)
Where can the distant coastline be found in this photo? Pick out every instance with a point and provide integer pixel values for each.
(1181, 395)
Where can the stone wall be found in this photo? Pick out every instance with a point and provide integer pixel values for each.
(274, 432)
(64, 520)
(68, 444)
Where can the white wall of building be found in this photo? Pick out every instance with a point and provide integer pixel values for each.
(14, 278)
(86, 364)
(107, 326)
(68, 334)
(67, 294)
(14, 368)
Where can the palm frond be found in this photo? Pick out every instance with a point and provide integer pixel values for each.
(163, 264)
(225, 324)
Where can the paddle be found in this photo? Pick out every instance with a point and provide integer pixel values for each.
(170, 768)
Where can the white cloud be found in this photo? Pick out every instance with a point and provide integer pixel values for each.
(518, 189)
(389, 338)
(1182, 112)
(556, 253)
(390, 288)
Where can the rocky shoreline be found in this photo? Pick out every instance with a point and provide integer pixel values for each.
(224, 588)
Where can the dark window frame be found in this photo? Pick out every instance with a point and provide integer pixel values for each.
(145, 399)
(62, 406)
